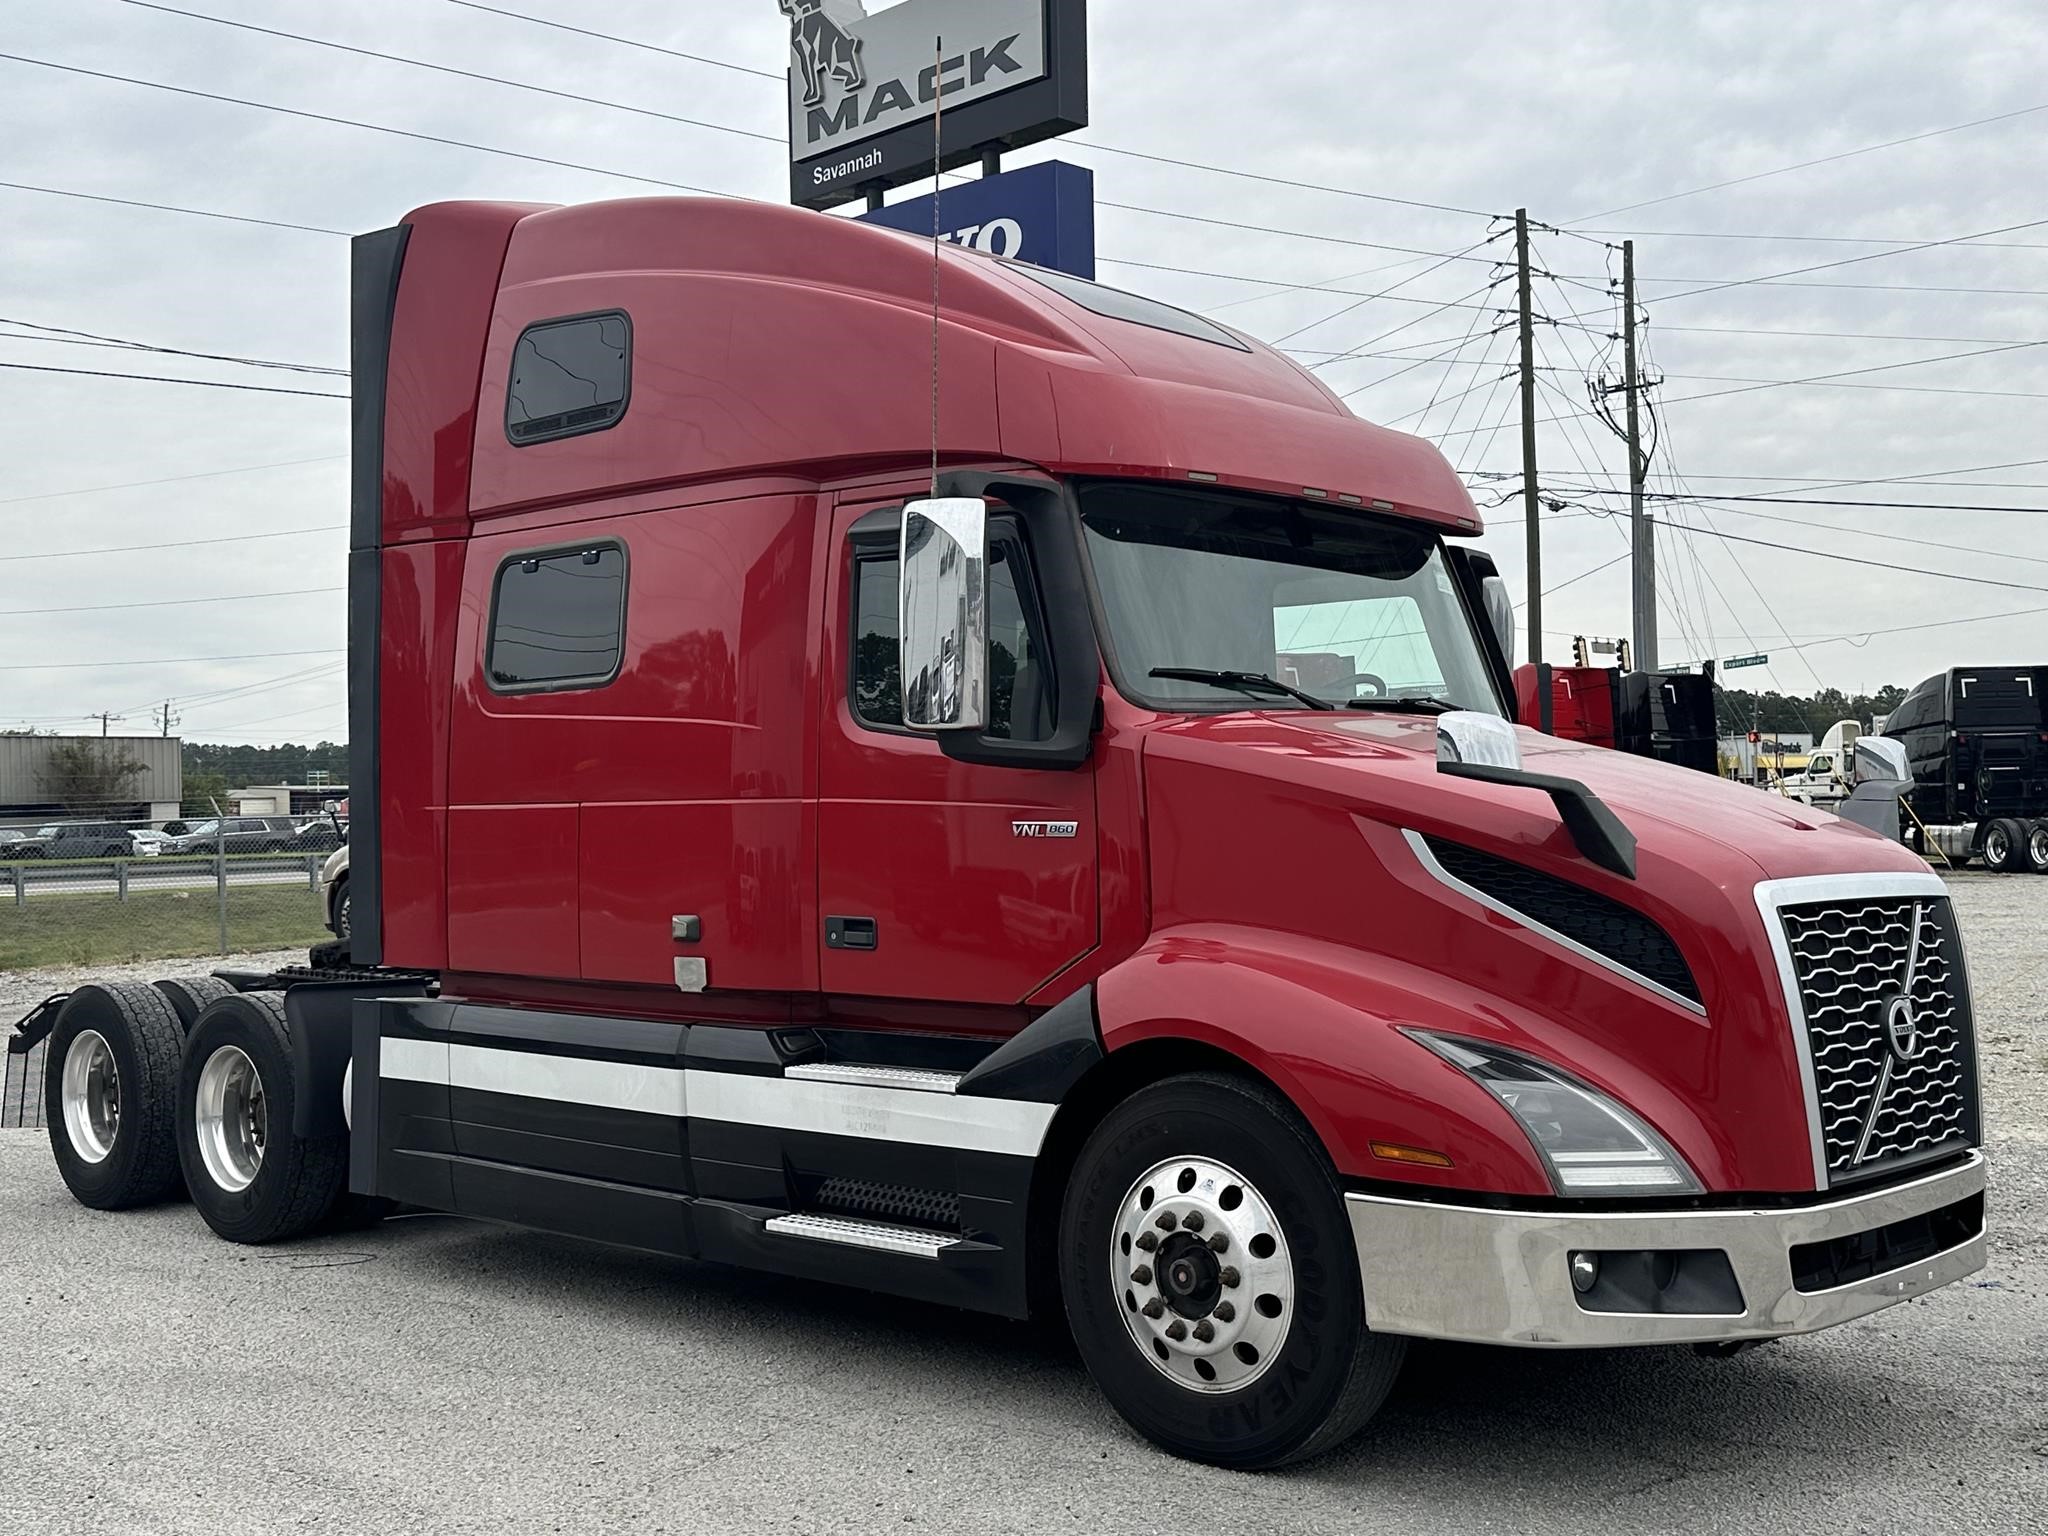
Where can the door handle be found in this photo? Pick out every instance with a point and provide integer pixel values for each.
(850, 933)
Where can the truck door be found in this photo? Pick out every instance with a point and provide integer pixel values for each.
(941, 880)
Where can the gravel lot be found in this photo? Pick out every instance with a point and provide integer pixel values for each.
(435, 1375)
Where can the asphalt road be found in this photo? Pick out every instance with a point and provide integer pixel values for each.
(435, 1375)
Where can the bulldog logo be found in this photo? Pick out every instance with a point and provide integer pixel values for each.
(822, 48)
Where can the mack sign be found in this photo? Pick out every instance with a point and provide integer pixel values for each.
(1043, 214)
(864, 88)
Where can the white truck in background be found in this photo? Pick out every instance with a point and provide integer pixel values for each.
(1824, 781)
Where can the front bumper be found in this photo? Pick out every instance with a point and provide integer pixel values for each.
(1502, 1277)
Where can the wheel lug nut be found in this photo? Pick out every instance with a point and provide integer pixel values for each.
(1225, 1312)
(1218, 1242)
(1153, 1307)
(1205, 1330)
(1167, 1221)
(1142, 1275)
(1229, 1275)
(1176, 1330)
(1192, 1221)
(1148, 1241)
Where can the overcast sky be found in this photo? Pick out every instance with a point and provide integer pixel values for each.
(1570, 111)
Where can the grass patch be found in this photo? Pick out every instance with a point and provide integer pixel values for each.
(62, 928)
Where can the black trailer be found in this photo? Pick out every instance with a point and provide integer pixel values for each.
(1668, 716)
(1977, 741)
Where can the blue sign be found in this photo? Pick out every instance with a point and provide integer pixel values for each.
(1043, 214)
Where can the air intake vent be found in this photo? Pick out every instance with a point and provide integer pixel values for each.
(1619, 935)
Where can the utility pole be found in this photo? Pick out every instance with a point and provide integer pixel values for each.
(1533, 530)
(165, 719)
(1642, 530)
(106, 715)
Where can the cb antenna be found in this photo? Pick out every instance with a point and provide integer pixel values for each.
(938, 139)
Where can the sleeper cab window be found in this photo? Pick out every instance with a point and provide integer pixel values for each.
(569, 376)
(558, 619)
(1020, 684)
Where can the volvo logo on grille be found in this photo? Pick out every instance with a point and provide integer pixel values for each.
(1901, 1029)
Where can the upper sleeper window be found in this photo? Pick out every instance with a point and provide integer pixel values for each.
(558, 619)
(569, 376)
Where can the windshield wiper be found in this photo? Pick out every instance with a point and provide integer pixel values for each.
(1243, 682)
(1428, 704)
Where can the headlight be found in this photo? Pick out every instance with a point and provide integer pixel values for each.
(1591, 1145)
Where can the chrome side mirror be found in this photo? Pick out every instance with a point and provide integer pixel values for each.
(943, 609)
(1881, 760)
(1500, 613)
(1466, 736)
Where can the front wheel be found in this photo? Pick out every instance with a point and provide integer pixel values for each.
(1211, 1281)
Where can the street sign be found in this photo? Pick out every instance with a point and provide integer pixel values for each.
(1746, 661)
(863, 88)
(1043, 214)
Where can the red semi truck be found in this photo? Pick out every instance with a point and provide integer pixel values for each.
(1013, 804)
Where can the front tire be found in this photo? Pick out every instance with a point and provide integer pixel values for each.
(1235, 1335)
(339, 920)
(109, 1083)
(251, 1178)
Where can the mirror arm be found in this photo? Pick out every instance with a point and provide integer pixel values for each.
(1600, 835)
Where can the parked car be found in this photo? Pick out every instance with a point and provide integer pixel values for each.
(242, 834)
(148, 841)
(334, 891)
(317, 836)
(75, 840)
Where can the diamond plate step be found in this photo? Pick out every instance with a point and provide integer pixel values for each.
(885, 1236)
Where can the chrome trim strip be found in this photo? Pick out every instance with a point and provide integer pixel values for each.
(1427, 858)
(413, 1061)
(1773, 894)
(1515, 1283)
(873, 1076)
(886, 1237)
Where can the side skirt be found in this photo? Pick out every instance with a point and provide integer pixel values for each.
(896, 1161)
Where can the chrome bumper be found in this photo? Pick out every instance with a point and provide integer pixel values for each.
(1500, 1277)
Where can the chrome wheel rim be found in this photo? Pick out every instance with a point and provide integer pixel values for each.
(91, 1091)
(232, 1118)
(1201, 1274)
(1997, 849)
(2037, 847)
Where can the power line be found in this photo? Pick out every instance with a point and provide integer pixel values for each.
(171, 602)
(201, 213)
(1716, 234)
(350, 122)
(1135, 154)
(93, 338)
(1847, 154)
(155, 378)
(1847, 261)
(1364, 299)
(159, 661)
(465, 74)
(129, 549)
(625, 42)
(204, 474)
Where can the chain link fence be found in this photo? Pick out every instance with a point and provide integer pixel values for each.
(80, 891)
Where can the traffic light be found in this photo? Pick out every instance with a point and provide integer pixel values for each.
(1580, 658)
(1754, 738)
(1621, 655)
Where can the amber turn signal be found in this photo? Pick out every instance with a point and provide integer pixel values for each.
(1393, 1152)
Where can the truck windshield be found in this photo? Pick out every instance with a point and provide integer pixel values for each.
(1346, 606)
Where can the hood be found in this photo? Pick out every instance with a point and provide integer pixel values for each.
(1331, 827)
(1679, 815)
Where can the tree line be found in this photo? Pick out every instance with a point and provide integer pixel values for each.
(1740, 710)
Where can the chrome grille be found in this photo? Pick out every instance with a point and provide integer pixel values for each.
(1887, 1018)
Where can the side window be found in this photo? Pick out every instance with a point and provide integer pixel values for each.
(1021, 700)
(558, 619)
(569, 376)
